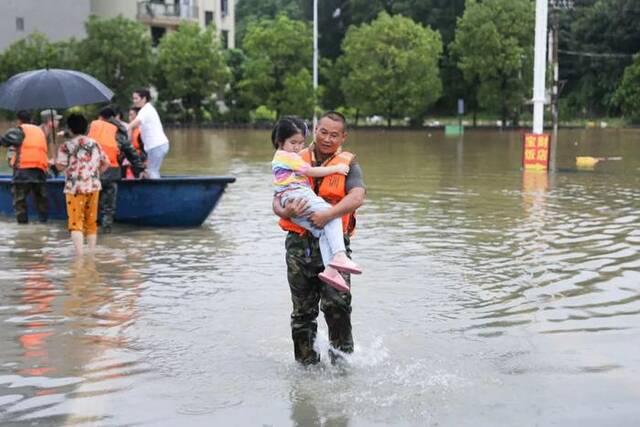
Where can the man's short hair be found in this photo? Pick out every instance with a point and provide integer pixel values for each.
(336, 117)
(143, 93)
(24, 116)
(77, 123)
(107, 112)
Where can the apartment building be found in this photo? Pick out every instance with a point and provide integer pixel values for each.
(63, 19)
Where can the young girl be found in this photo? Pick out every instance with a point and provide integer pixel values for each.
(290, 178)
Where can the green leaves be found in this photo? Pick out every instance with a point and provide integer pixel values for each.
(191, 67)
(493, 46)
(392, 67)
(627, 96)
(117, 52)
(277, 70)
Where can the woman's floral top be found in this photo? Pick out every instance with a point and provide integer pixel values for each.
(83, 159)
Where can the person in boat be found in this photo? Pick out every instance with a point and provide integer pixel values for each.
(156, 143)
(291, 181)
(113, 139)
(136, 141)
(29, 159)
(304, 260)
(82, 160)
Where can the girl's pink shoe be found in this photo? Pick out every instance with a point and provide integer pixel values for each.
(346, 266)
(335, 281)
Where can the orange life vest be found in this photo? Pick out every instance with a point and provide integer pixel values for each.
(105, 134)
(33, 151)
(332, 189)
(135, 140)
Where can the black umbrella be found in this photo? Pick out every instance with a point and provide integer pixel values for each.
(51, 88)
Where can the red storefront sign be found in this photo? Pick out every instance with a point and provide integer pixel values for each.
(535, 153)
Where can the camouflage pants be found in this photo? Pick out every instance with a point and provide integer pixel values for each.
(304, 262)
(107, 204)
(20, 192)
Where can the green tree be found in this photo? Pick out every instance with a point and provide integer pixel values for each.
(276, 72)
(30, 53)
(117, 52)
(602, 36)
(250, 11)
(191, 67)
(628, 94)
(494, 49)
(392, 67)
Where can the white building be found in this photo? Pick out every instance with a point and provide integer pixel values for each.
(63, 19)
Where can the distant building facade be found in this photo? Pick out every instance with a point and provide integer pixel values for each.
(63, 19)
(57, 19)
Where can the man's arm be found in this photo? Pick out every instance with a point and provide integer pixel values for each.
(12, 138)
(352, 201)
(129, 151)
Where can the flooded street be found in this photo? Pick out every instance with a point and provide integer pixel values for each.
(489, 297)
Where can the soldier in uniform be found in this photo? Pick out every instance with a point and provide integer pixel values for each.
(113, 139)
(28, 156)
(304, 261)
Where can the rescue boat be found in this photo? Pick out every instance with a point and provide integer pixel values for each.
(171, 201)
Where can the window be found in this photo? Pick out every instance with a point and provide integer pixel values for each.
(208, 17)
(19, 24)
(156, 34)
(224, 7)
(225, 39)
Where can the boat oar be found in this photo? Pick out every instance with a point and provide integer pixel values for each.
(590, 162)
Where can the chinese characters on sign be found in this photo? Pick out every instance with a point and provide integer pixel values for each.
(535, 154)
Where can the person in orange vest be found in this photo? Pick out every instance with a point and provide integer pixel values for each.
(136, 140)
(28, 156)
(304, 260)
(114, 141)
(291, 179)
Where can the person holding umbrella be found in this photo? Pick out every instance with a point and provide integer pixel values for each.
(28, 156)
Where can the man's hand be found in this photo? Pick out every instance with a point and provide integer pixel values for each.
(143, 175)
(320, 219)
(295, 207)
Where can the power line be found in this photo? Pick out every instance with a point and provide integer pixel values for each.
(595, 54)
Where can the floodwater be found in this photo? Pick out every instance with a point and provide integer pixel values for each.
(489, 297)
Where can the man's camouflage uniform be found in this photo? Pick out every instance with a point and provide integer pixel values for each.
(304, 263)
(25, 181)
(109, 179)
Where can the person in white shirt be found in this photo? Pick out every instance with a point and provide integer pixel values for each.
(156, 143)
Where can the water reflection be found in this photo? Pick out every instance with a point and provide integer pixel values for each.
(482, 285)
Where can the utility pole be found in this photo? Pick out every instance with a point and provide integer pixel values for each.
(315, 62)
(554, 33)
(539, 66)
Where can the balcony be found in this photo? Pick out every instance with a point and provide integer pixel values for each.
(165, 14)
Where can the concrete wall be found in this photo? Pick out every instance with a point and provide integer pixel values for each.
(57, 19)
(113, 8)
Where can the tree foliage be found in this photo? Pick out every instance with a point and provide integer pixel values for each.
(117, 52)
(31, 53)
(392, 67)
(276, 72)
(627, 95)
(609, 29)
(494, 50)
(191, 66)
(250, 11)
